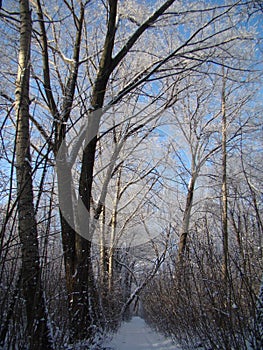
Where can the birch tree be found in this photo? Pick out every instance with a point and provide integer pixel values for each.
(38, 332)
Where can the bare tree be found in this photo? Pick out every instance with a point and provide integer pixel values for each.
(224, 181)
(38, 332)
(192, 144)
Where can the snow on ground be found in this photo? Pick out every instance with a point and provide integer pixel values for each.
(136, 335)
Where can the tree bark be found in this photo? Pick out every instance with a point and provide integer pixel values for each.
(186, 219)
(224, 185)
(258, 335)
(37, 329)
(113, 231)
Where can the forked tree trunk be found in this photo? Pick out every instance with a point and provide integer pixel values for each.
(37, 329)
(85, 294)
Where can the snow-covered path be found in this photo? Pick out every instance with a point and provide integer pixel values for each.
(136, 335)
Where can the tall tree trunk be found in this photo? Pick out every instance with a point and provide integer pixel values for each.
(103, 250)
(113, 231)
(186, 218)
(64, 173)
(224, 185)
(85, 295)
(38, 333)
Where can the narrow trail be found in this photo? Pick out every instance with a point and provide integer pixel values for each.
(136, 335)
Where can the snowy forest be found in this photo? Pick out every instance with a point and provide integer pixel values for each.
(131, 172)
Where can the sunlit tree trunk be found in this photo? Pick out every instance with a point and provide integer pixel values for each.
(103, 251)
(186, 218)
(224, 184)
(37, 330)
(113, 231)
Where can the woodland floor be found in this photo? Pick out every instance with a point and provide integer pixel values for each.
(136, 335)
